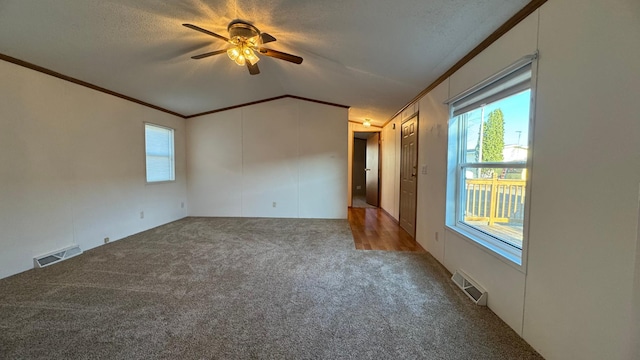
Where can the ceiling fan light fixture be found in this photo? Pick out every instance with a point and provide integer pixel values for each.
(233, 53)
(250, 56)
(241, 54)
(254, 41)
(246, 41)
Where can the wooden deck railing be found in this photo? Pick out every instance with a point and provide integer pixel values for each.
(494, 200)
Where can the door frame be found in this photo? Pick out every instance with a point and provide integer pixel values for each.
(353, 128)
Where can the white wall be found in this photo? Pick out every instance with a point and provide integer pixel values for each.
(72, 168)
(288, 151)
(397, 133)
(586, 171)
(574, 300)
(634, 332)
(432, 154)
(389, 176)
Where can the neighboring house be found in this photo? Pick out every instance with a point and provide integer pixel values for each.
(515, 153)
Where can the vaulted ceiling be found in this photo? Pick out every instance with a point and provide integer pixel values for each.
(372, 55)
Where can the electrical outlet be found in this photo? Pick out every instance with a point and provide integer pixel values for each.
(106, 240)
(424, 169)
(274, 204)
(141, 214)
(437, 236)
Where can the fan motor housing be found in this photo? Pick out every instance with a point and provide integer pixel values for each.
(240, 29)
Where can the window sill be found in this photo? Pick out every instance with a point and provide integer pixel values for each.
(160, 182)
(491, 246)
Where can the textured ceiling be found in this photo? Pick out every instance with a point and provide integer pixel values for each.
(372, 55)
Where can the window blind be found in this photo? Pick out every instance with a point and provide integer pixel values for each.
(510, 81)
(159, 153)
(515, 82)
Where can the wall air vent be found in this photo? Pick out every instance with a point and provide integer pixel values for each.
(56, 256)
(474, 291)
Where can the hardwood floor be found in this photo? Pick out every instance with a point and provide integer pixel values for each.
(373, 229)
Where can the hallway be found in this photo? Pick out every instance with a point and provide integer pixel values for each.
(373, 229)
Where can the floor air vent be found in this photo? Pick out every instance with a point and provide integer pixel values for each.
(56, 256)
(470, 287)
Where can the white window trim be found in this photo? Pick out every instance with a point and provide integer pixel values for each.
(173, 155)
(506, 253)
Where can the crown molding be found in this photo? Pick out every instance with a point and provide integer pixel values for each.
(37, 68)
(58, 75)
(266, 100)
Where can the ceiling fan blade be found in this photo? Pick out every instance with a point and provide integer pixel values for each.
(217, 52)
(197, 28)
(266, 38)
(281, 55)
(253, 69)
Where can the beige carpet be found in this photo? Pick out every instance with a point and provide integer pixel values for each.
(210, 288)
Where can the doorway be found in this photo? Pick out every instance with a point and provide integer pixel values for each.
(366, 170)
(409, 175)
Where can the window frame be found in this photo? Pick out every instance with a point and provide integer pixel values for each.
(172, 156)
(456, 169)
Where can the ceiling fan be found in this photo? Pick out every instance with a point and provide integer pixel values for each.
(245, 40)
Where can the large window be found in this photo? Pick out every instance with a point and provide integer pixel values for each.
(489, 148)
(159, 150)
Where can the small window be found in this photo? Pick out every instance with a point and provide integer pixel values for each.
(489, 146)
(159, 153)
